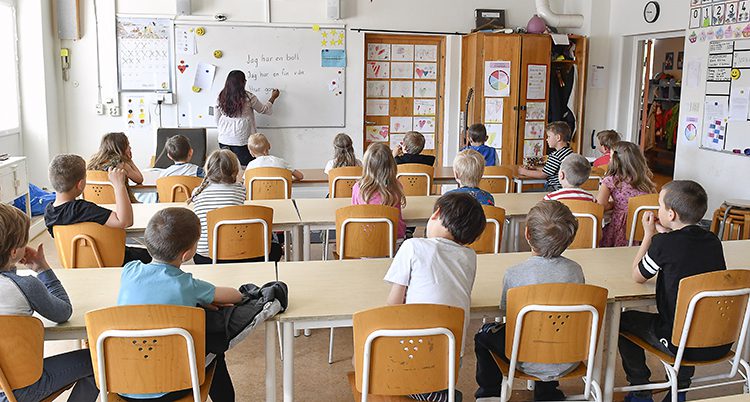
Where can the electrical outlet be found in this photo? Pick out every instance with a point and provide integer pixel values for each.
(114, 111)
(100, 109)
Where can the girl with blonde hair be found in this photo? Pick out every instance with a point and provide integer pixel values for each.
(343, 153)
(115, 152)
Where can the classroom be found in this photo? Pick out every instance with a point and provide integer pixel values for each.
(336, 200)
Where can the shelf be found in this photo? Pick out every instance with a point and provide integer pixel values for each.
(564, 61)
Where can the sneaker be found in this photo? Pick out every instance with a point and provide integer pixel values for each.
(681, 397)
(548, 391)
(631, 397)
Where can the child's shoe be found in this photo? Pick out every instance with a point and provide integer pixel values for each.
(633, 397)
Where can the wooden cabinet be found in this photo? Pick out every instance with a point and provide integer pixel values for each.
(531, 64)
(13, 181)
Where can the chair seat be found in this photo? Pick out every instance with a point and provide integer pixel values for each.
(666, 357)
(374, 398)
(189, 397)
(504, 366)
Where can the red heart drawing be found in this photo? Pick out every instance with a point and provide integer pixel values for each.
(182, 68)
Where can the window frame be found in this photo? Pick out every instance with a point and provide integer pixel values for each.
(14, 12)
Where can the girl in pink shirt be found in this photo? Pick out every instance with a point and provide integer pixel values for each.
(378, 184)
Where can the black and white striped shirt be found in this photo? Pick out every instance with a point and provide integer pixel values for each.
(552, 167)
(214, 196)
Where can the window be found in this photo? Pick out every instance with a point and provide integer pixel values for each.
(9, 110)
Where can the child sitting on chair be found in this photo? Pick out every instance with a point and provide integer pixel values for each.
(178, 149)
(440, 269)
(477, 136)
(410, 150)
(574, 171)
(259, 147)
(550, 229)
(468, 168)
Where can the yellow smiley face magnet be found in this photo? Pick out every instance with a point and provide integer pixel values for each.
(736, 74)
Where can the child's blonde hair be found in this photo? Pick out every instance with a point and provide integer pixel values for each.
(562, 129)
(112, 152)
(608, 138)
(413, 142)
(469, 167)
(629, 165)
(551, 228)
(379, 176)
(222, 166)
(343, 151)
(258, 144)
(15, 227)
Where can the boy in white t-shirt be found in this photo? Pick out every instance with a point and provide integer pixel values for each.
(259, 146)
(440, 269)
(178, 149)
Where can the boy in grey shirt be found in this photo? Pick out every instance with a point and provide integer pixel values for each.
(550, 228)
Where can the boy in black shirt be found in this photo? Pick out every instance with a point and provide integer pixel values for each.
(679, 250)
(67, 173)
(410, 150)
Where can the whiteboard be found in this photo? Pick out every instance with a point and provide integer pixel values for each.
(287, 58)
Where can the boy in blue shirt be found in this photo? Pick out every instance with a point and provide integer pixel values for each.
(477, 137)
(468, 168)
(171, 238)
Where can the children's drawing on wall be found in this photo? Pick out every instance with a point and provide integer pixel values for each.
(402, 70)
(377, 89)
(424, 124)
(425, 53)
(494, 135)
(376, 133)
(377, 107)
(493, 110)
(533, 148)
(425, 89)
(377, 69)
(425, 71)
(401, 124)
(378, 51)
(424, 107)
(402, 52)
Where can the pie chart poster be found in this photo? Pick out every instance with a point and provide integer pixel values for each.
(497, 79)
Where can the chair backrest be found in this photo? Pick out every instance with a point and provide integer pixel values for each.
(553, 337)
(589, 215)
(147, 348)
(342, 179)
(268, 183)
(176, 188)
(492, 237)
(89, 245)
(497, 179)
(415, 178)
(98, 188)
(239, 232)
(596, 176)
(21, 352)
(197, 138)
(366, 231)
(402, 363)
(717, 319)
(636, 207)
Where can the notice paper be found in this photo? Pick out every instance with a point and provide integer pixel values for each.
(598, 77)
(497, 79)
(739, 104)
(536, 85)
(204, 76)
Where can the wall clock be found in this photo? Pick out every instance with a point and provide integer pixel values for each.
(651, 12)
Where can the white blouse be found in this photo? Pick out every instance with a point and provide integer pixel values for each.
(236, 130)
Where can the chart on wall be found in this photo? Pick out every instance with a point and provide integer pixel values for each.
(143, 56)
(307, 64)
(726, 123)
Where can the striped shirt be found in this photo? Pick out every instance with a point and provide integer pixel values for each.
(570, 194)
(214, 196)
(552, 167)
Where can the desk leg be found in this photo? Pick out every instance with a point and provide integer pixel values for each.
(306, 241)
(270, 361)
(288, 363)
(519, 186)
(297, 243)
(28, 204)
(613, 331)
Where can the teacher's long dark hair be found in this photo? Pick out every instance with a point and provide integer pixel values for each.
(233, 96)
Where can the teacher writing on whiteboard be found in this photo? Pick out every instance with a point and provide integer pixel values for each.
(235, 115)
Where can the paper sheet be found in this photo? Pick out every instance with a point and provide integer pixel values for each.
(376, 133)
(378, 51)
(560, 39)
(377, 107)
(598, 76)
(424, 107)
(425, 89)
(715, 124)
(424, 124)
(402, 52)
(493, 110)
(396, 140)
(333, 58)
(378, 89)
(185, 44)
(494, 135)
(693, 74)
(401, 124)
(204, 76)
(497, 79)
(401, 70)
(739, 104)
(429, 141)
(425, 71)
(534, 130)
(425, 53)
(137, 114)
(533, 148)
(402, 89)
(536, 111)
(536, 84)
(378, 69)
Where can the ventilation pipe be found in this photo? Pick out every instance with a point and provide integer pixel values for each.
(557, 20)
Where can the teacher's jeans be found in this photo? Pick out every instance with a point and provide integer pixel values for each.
(243, 154)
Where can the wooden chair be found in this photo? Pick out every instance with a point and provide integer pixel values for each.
(589, 215)
(636, 207)
(402, 350)
(268, 183)
(149, 349)
(235, 233)
(553, 323)
(713, 309)
(366, 231)
(497, 179)
(342, 179)
(416, 178)
(492, 237)
(22, 355)
(89, 245)
(176, 188)
(731, 221)
(596, 176)
(98, 188)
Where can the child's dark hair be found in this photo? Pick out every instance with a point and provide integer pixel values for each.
(462, 215)
(551, 228)
(608, 138)
(562, 129)
(178, 148)
(478, 133)
(65, 171)
(171, 232)
(687, 198)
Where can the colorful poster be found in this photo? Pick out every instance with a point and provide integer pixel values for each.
(378, 69)
(536, 85)
(378, 51)
(494, 135)
(425, 89)
(377, 107)
(401, 70)
(424, 124)
(493, 110)
(402, 52)
(536, 111)
(400, 124)
(402, 89)
(425, 71)
(534, 130)
(137, 113)
(533, 148)
(424, 107)
(396, 140)
(376, 133)
(425, 53)
(377, 89)
(497, 79)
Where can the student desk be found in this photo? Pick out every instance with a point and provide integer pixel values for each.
(317, 177)
(285, 217)
(730, 398)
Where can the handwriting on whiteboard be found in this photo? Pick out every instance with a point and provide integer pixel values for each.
(742, 59)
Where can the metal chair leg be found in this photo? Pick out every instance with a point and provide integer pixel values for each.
(330, 348)
(281, 345)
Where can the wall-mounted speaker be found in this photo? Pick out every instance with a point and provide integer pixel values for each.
(333, 9)
(68, 22)
(184, 7)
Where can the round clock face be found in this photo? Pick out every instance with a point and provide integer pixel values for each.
(651, 12)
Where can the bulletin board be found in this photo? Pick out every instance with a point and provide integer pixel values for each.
(143, 54)
(307, 64)
(727, 105)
